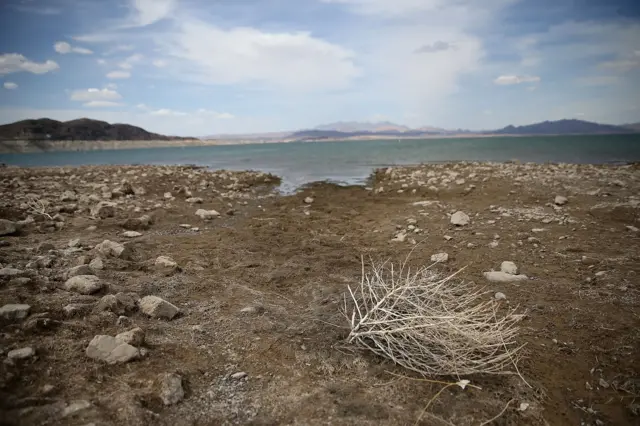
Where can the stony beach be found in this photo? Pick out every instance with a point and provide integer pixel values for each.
(176, 295)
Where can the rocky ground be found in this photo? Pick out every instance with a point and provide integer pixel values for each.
(183, 296)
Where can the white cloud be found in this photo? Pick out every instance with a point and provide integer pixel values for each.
(168, 112)
(147, 12)
(14, 62)
(101, 61)
(128, 63)
(89, 95)
(118, 75)
(112, 86)
(101, 104)
(296, 61)
(159, 63)
(216, 115)
(506, 80)
(9, 85)
(63, 48)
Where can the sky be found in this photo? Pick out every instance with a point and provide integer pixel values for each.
(204, 67)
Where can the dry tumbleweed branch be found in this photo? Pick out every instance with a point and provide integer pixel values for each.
(37, 207)
(430, 324)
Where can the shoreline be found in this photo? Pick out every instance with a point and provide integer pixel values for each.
(27, 147)
(258, 279)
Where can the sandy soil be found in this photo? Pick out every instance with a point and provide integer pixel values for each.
(260, 290)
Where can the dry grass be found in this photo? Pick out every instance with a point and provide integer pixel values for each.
(430, 324)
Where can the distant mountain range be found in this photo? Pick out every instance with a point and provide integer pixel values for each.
(382, 129)
(89, 130)
(563, 127)
(83, 129)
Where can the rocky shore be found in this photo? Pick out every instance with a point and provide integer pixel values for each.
(160, 295)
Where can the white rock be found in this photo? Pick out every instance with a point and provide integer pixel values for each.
(111, 350)
(538, 230)
(185, 226)
(399, 237)
(22, 353)
(499, 296)
(171, 391)
(308, 200)
(448, 237)
(494, 244)
(96, 264)
(83, 284)
(131, 234)
(239, 375)
(560, 200)
(424, 203)
(168, 196)
(460, 218)
(194, 200)
(503, 277)
(78, 270)
(75, 407)
(12, 312)
(156, 307)
(166, 265)
(133, 337)
(601, 273)
(10, 272)
(632, 228)
(509, 268)
(110, 248)
(207, 214)
(440, 257)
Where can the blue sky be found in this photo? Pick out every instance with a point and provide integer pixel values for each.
(201, 67)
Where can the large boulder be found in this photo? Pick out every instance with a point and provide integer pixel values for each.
(138, 224)
(207, 214)
(166, 265)
(111, 350)
(157, 307)
(103, 210)
(112, 249)
(134, 337)
(10, 272)
(13, 312)
(171, 391)
(78, 270)
(7, 227)
(503, 277)
(83, 284)
(459, 218)
(509, 268)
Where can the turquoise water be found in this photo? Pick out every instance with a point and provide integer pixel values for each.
(352, 161)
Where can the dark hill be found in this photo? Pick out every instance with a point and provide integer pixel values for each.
(83, 129)
(562, 127)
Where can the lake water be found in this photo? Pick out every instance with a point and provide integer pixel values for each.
(353, 161)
